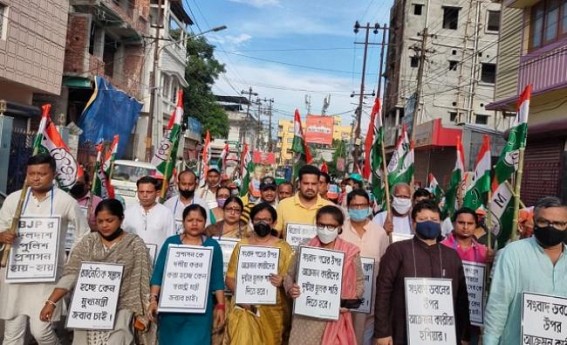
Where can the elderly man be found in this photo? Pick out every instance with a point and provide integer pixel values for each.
(20, 302)
(285, 190)
(186, 183)
(536, 265)
(399, 221)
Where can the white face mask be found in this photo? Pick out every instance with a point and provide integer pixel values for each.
(401, 205)
(348, 188)
(327, 235)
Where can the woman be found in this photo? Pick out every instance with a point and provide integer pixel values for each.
(308, 331)
(184, 328)
(230, 225)
(110, 244)
(268, 327)
(217, 214)
(372, 241)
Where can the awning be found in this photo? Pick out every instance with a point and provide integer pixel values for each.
(77, 82)
(16, 109)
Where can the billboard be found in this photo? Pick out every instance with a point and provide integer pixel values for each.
(319, 129)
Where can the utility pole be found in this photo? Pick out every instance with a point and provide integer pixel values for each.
(308, 103)
(154, 85)
(269, 101)
(357, 27)
(258, 123)
(385, 29)
(250, 93)
(419, 89)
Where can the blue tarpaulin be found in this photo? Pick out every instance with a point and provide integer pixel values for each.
(109, 112)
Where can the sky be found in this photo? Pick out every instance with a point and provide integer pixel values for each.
(290, 49)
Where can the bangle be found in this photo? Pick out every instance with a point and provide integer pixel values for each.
(219, 306)
(50, 302)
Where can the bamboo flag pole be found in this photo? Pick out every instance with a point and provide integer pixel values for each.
(519, 174)
(489, 219)
(386, 185)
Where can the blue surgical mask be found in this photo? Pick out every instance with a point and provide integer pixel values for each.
(358, 215)
(428, 230)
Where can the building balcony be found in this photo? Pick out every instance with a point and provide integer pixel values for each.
(544, 68)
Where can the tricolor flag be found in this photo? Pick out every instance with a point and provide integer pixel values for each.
(435, 188)
(205, 158)
(502, 203)
(222, 158)
(299, 147)
(451, 201)
(476, 194)
(400, 167)
(49, 141)
(103, 169)
(246, 169)
(324, 168)
(375, 154)
(370, 133)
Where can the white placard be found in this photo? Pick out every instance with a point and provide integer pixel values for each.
(35, 253)
(319, 276)
(368, 274)
(227, 245)
(429, 310)
(152, 252)
(255, 265)
(72, 232)
(396, 237)
(186, 279)
(179, 226)
(95, 297)
(474, 274)
(299, 234)
(544, 319)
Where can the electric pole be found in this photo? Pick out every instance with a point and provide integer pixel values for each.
(154, 85)
(258, 123)
(422, 58)
(243, 127)
(269, 101)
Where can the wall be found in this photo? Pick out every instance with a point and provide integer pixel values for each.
(509, 53)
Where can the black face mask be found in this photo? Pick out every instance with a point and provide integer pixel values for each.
(187, 194)
(78, 190)
(112, 236)
(549, 236)
(262, 229)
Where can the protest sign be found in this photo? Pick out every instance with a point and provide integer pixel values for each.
(95, 298)
(319, 276)
(396, 237)
(152, 251)
(474, 274)
(186, 279)
(299, 234)
(542, 319)
(255, 265)
(35, 253)
(430, 313)
(368, 273)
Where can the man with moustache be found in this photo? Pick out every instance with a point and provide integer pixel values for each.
(302, 207)
(537, 265)
(86, 200)
(285, 190)
(20, 302)
(152, 221)
(187, 182)
(399, 221)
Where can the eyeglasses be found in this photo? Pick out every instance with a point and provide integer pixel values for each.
(232, 210)
(543, 223)
(328, 227)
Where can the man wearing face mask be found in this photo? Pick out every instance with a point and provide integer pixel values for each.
(86, 200)
(419, 257)
(187, 182)
(399, 221)
(536, 265)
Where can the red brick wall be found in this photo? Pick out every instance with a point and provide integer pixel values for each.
(76, 48)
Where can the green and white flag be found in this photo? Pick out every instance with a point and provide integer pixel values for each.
(246, 170)
(434, 188)
(376, 164)
(400, 167)
(299, 146)
(476, 194)
(451, 196)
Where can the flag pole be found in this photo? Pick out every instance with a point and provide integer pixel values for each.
(519, 174)
(489, 219)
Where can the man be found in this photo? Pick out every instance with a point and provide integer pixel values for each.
(209, 191)
(419, 257)
(324, 181)
(537, 265)
(421, 194)
(186, 183)
(20, 302)
(285, 190)
(302, 207)
(81, 192)
(153, 222)
(399, 222)
(268, 189)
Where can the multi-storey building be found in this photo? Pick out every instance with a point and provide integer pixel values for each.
(533, 51)
(458, 75)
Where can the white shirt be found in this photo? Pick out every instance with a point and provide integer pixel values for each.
(177, 206)
(208, 195)
(402, 225)
(154, 226)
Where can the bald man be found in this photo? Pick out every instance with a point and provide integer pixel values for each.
(399, 222)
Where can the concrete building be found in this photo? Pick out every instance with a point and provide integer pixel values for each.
(460, 62)
(532, 51)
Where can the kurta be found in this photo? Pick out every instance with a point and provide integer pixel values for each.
(402, 225)
(414, 258)
(522, 266)
(182, 328)
(271, 320)
(177, 206)
(28, 299)
(154, 226)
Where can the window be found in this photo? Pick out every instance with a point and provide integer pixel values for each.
(450, 17)
(453, 65)
(481, 119)
(493, 21)
(453, 116)
(414, 61)
(548, 22)
(417, 9)
(3, 20)
(488, 73)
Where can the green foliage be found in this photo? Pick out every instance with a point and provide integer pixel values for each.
(201, 72)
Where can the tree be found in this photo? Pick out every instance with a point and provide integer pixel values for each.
(200, 73)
